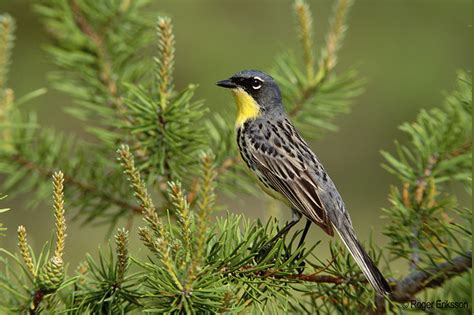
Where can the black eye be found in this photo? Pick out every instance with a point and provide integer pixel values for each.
(256, 84)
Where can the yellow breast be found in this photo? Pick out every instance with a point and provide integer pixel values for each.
(247, 108)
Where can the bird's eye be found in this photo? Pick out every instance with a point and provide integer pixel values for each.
(256, 84)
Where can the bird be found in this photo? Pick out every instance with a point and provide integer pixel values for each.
(287, 169)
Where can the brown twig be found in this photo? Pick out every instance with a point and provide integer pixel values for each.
(417, 281)
(422, 180)
(406, 195)
(422, 197)
(403, 290)
(463, 149)
(84, 187)
(227, 164)
(419, 198)
(313, 278)
(193, 192)
(37, 298)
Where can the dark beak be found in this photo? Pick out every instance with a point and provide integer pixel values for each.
(228, 84)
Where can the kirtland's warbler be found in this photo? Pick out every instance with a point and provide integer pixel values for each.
(287, 168)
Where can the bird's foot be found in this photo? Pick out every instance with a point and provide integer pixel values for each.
(302, 263)
(263, 252)
(300, 267)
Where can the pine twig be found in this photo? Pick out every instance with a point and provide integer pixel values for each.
(147, 206)
(25, 250)
(106, 74)
(406, 288)
(313, 278)
(121, 241)
(205, 205)
(305, 94)
(328, 58)
(84, 187)
(419, 196)
(306, 24)
(37, 298)
(58, 198)
(161, 243)
(179, 201)
(227, 164)
(165, 60)
(334, 38)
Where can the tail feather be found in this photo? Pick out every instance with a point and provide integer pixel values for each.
(363, 260)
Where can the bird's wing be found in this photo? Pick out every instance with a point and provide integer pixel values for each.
(285, 166)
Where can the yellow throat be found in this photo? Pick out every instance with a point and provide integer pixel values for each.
(247, 108)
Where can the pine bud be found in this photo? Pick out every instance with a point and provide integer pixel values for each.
(51, 275)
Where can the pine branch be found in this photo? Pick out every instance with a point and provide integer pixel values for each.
(139, 188)
(167, 122)
(82, 186)
(328, 58)
(161, 245)
(22, 144)
(438, 152)
(47, 273)
(102, 50)
(313, 278)
(104, 63)
(205, 205)
(334, 39)
(305, 95)
(419, 280)
(404, 289)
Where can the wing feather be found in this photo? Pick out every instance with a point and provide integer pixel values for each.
(290, 176)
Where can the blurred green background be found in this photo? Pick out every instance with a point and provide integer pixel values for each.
(408, 52)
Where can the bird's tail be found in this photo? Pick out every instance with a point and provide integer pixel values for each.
(363, 260)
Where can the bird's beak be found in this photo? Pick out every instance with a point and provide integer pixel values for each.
(228, 84)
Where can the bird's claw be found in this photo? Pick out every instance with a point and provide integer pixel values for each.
(300, 267)
(263, 252)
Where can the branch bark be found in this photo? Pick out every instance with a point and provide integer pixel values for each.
(37, 298)
(314, 278)
(417, 281)
(405, 289)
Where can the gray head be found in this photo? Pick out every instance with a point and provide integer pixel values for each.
(259, 85)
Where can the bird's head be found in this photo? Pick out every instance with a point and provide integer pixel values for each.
(255, 93)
